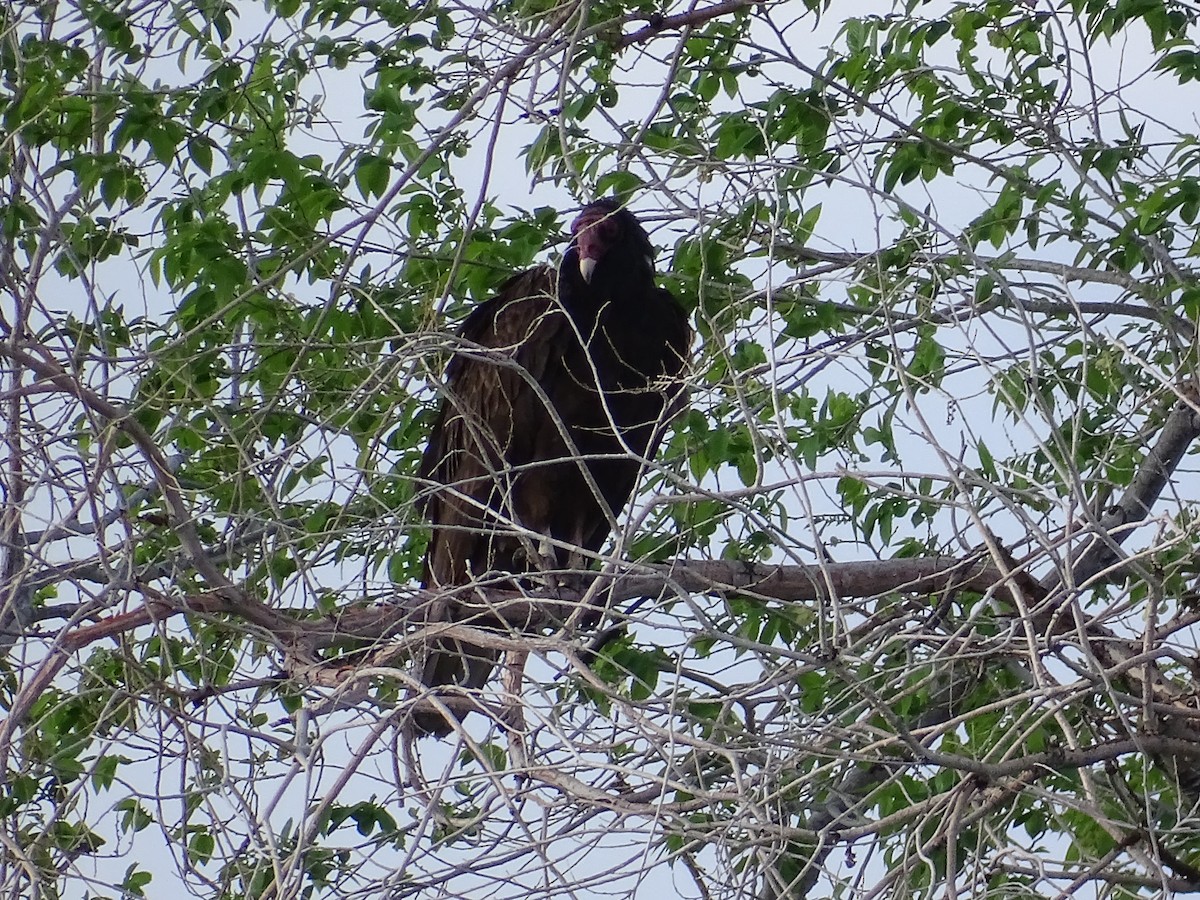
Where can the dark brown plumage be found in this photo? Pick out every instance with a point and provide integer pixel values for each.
(560, 387)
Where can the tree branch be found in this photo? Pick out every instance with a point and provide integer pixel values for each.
(51, 372)
(510, 609)
(658, 23)
(1179, 432)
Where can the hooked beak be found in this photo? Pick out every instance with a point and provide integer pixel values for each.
(586, 268)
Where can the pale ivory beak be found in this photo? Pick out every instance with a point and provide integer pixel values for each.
(586, 268)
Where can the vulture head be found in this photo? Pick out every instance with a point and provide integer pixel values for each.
(610, 252)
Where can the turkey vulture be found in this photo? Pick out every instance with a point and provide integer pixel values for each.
(558, 391)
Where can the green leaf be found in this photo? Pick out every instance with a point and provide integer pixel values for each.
(372, 175)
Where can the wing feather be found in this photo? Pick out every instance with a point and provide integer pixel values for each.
(478, 445)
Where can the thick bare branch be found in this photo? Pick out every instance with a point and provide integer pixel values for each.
(659, 23)
(1179, 432)
(507, 608)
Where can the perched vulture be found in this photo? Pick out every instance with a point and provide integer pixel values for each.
(558, 391)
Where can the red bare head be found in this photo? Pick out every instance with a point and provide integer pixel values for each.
(596, 230)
